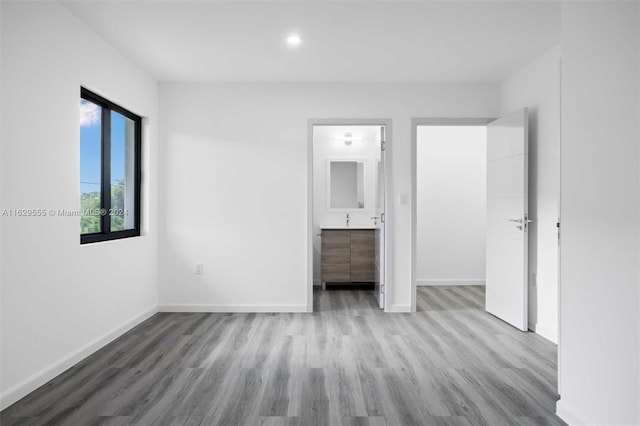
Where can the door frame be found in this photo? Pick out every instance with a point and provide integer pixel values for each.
(415, 123)
(388, 214)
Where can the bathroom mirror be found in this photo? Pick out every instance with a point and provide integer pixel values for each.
(346, 184)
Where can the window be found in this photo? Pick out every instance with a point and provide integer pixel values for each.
(110, 140)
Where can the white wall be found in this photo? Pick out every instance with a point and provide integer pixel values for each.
(599, 349)
(1, 202)
(325, 147)
(61, 300)
(451, 177)
(537, 86)
(235, 184)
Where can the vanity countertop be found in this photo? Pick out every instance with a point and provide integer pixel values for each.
(347, 228)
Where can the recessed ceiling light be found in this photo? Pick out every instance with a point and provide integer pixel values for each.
(294, 40)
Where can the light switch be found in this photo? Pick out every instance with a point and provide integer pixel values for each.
(404, 199)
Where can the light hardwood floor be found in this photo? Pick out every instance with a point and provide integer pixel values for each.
(348, 363)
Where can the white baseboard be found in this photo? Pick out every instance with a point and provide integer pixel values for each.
(569, 415)
(15, 393)
(399, 308)
(231, 308)
(454, 281)
(547, 332)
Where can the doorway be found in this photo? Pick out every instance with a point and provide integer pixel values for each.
(466, 228)
(451, 188)
(347, 212)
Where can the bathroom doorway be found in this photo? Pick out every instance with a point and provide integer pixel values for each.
(348, 215)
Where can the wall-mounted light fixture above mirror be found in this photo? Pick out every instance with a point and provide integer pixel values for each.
(347, 138)
(345, 184)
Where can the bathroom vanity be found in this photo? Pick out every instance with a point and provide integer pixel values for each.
(348, 255)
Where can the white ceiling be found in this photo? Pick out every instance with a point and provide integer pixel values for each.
(350, 41)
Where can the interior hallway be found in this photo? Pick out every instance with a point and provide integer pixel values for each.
(348, 363)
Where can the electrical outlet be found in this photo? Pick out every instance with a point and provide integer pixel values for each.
(199, 269)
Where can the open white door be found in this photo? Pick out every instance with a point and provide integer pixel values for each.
(507, 219)
(380, 220)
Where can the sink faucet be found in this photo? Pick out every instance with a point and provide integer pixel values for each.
(347, 219)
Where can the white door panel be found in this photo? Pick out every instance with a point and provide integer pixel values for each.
(504, 177)
(500, 213)
(504, 301)
(502, 145)
(507, 215)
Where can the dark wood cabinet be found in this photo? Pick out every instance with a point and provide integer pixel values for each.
(336, 252)
(363, 252)
(348, 255)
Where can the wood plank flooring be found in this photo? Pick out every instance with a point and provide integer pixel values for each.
(348, 363)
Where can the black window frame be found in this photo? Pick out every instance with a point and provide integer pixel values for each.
(106, 106)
